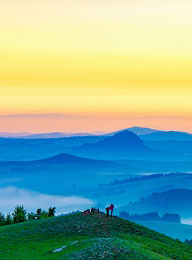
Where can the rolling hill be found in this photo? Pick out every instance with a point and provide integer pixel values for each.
(74, 161)
(12, 149)
(123, 193)
(105, 147)
(127, 145)
(173, 201)
(87, 237)
(167, 136)
(60, 173)
(14, 135)
(142, 130)
(25, 135)
(174, 230)
(159, 166)
(136, 130)
(124, 144)
(55, 135)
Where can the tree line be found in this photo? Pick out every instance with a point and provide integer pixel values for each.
(151, 216)
(20, 215)
(139, 178)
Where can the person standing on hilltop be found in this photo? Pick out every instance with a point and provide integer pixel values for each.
(111, 208)
(107, 209)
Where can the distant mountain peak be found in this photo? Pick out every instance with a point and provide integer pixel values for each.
(138, 130)
(63, 158)
(124, 144)
(125, 138)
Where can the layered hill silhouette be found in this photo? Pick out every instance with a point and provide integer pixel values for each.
(67, 159)
(137, 130)
(19, 149)
(159, 166)
(72, 164)
(173, 201)
(25, 135)
(59, 173)
(142, 130)
(124, 144)
(56, 135)
(127, 145)
(167, 136)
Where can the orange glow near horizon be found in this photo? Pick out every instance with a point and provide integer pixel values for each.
(118, 63)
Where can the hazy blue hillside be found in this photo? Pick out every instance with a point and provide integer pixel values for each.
(68, 175)
(124, 144)
(123, 193)
(105, 147)
(167, 136)
(46, 166)
(159, 166)
(34, 149)
(174, 230)
(67, 159)
(127, 145)
(14, 135)
(60, 173)
(142, 130)
(55, 135)
(182, 147)
(173, 201)
(136, 130)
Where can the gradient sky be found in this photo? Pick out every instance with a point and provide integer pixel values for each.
(111, 64)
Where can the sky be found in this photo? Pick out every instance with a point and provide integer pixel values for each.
(99, 65)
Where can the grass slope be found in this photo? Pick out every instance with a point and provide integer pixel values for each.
(87, 237)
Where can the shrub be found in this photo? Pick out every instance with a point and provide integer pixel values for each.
(8, 219)
(2, 219)
(51, 212)
(44, 214)
(38, 213)
(19, 214)
(31, 216)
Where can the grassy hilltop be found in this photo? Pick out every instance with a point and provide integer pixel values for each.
(87, 237)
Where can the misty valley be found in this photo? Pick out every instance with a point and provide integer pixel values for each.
(139, 170)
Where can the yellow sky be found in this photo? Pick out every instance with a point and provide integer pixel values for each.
(98, 58)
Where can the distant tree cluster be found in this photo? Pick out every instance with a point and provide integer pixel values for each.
(188, 242)
(169, 217)
(151, 216)
(139, 178)
(20, 215)
(134, 179)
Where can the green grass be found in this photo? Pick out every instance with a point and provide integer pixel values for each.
(87, 237)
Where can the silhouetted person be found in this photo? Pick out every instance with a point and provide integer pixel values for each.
(86, 212)
(111, 208)
(107, 209)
